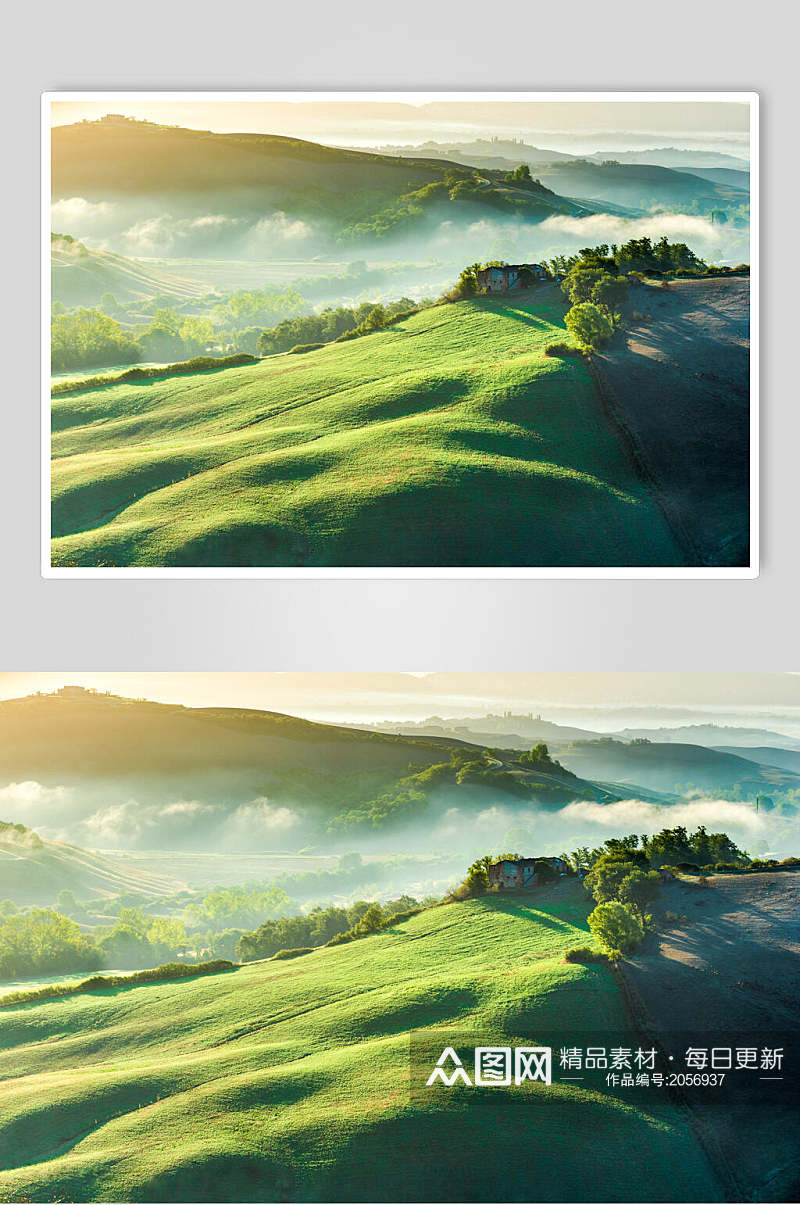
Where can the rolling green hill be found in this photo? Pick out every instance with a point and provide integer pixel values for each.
(288, 1081)
(447, 439)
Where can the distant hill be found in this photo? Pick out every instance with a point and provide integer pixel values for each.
(498, 154)
(671, 767)
(623, 182)
(126, 773)
(677, 157)
(33, 871)
(80, 276)
(734, 177)
(641, 186)
(128, 162)
(714, 736)
(765, 755)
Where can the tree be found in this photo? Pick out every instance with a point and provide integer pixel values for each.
(372, 920)
(375, 319)
(609, 293)
(66, 903)
(468, 281)
(90, 339)
(476, 881)
(167, 936)
(196, 334)
(125, 948)
(538, 755)
(639, 889)
(588, 325)
(581, 281)
(605, 877)
(44, 943)
(616, 927)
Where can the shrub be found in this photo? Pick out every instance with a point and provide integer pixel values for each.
(585, 955)
(299, 348)
(476, 881)
(588, 325)
(562, 349)
(281, 954)
(616, 927)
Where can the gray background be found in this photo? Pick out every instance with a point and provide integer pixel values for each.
(455, 625)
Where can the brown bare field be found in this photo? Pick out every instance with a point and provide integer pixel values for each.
(730, 965)
(678, 383)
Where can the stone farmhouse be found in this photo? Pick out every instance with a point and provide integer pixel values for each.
(509, 875)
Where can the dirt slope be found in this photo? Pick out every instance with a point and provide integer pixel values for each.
(731, 966)
(679, 383)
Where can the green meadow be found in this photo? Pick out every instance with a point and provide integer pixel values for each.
(289, 1080)
(447, 439)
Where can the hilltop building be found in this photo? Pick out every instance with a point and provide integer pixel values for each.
(510, 276)
(512, 874)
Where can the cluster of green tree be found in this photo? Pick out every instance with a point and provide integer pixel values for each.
(624, 889)
(44, 943)
(640, 255)
(242, 907)
(258, 308)
(668, 848)
(319, 927)
(16, 834)
(138, 940)
(333, 325)
(91, 338)
(539, 758)
(458, 185)
(410, 794)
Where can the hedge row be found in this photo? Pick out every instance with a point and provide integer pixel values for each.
(196, 364)
(168, 970)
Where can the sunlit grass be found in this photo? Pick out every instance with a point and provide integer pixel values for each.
(449, 439)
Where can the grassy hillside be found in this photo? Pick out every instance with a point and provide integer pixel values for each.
(80, 276)
(288, 1081)
(447, 439)
(33, 871)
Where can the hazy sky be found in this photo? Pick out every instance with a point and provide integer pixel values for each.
(769, 699)
(577, 126)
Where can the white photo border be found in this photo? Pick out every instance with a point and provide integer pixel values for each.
(417, 96)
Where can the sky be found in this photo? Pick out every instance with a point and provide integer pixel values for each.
(607, 701)
(576, 126)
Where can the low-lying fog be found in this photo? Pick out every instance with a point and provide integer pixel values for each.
(468, 823)
(160, 229)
